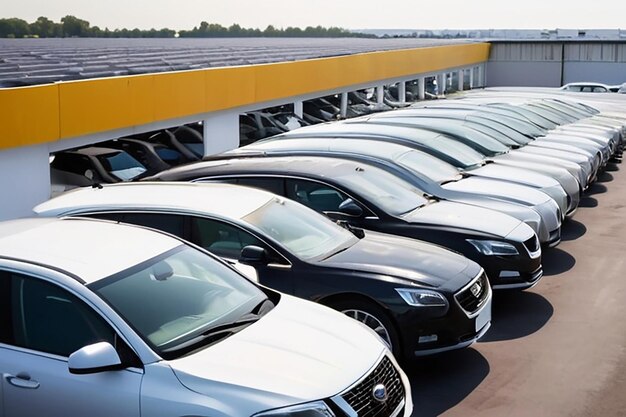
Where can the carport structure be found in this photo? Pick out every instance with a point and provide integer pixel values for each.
(50, 100)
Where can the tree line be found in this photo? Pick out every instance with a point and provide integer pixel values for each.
(71, 26)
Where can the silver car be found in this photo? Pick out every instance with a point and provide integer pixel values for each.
(100, 319)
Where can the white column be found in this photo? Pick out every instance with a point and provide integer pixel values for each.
(343, 106)
(481, 75)
(460, 76)
(471, 78)
(380, 91)
(442, 83)
(221, 132)
(24, 180)
(297, 108)
(402, 92)
(421, 88)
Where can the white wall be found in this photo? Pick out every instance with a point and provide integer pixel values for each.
(24, 180)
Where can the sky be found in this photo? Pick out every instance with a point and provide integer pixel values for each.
(349, 14)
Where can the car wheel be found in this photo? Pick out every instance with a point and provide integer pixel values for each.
(373, 317)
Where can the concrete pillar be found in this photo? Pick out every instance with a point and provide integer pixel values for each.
(343, 107)
(402, 92)
(421, 88)
(461, 76)
(380, 94)
(442, 83)
(24, 180)
(471, 78)
(481, 75)
(298, 109)
(221, 132)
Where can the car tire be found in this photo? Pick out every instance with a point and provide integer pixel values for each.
(373, 317)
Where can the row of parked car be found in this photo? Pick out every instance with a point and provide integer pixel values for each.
(405, 221)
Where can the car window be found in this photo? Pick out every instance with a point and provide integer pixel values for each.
(273, 185)
(221, 238)
(319, 197)
(77, 164)
(47, 318)
(175, 299)
(122, 165)
(169, 223)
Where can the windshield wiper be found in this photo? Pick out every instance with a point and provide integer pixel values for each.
(217, 333)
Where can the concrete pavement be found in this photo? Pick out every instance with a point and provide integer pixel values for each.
(558, 349)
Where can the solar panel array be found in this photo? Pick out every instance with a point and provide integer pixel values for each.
(26, 62)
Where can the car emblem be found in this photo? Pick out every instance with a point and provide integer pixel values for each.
(476, 289)
(380, 393)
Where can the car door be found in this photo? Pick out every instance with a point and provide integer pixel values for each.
(42, 324)
(226, 240)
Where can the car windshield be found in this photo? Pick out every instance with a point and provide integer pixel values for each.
(121, 165)
(433, 168)
(304, 232)
(175, 298)
(512, 134)
(390, 193)
(462, 155)
(547, 113)
(533, 117)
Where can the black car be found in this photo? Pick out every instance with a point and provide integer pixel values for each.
(371, 198)
(156, 157)
(419, 298)
(94, 164)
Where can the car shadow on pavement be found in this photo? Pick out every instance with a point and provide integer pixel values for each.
(556, 261)
(571, 230)
(440, 382)
(596, 188)
(517, 314)
(612, 167)
(605, 177)
(588, 202)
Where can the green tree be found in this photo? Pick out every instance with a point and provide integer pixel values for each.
(14, 28)
(73, 26)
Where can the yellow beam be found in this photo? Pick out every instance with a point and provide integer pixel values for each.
(31, 115)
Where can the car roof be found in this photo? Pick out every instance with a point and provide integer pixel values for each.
(95, 151)
(306, 165)
(224, 200)
(88, 249)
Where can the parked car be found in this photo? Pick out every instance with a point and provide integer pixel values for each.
(416, 296)
(88, 166)
(587, 87)
(373, 199)
(184, 139)
(564, 189)
(156, 157)
(101, 319)
(431, 177)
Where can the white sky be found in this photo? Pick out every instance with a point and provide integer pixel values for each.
(350, 14)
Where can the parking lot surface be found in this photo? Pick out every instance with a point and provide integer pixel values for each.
(558, 349)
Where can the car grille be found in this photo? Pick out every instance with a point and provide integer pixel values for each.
(472, 297)
(532, 244)
(361, 397)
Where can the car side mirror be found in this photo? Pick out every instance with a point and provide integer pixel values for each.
(253, 255)
(99, 357)
(350, 208)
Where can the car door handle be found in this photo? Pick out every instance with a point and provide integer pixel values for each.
(21, 380)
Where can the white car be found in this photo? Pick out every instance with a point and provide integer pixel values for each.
(100, 319)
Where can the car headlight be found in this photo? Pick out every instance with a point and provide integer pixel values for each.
(314, 409)
(418, 297)
(493, 247)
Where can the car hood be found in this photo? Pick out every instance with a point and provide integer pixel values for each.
(446, 214)
(513, 174)
(299, 351)
(512, 192)
(409, 259)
